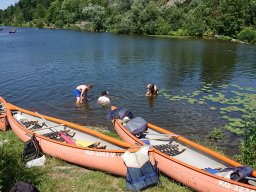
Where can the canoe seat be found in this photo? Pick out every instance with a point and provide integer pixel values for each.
(55, 136)
(32, 124)
(170, 149)
(28, 124)
(2, 108)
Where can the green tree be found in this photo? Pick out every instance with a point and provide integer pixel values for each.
(136, 9)
(234, 14)
(96, 15)
(39, 23)
(125, 24)
(54, 12)
(148, 18)
(71, 11)
(40, 12)
(248, 35)
(174, 16)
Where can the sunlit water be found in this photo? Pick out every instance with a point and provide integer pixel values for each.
(41, 68)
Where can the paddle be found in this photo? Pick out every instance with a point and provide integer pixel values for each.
(164, 135)
(252, 182)
(65, 137)
(156, 139)
(48, 127)
(251, 178)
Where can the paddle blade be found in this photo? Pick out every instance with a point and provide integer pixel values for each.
(67, 139)
(83, 143)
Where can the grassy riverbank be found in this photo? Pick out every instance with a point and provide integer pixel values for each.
(57, 175)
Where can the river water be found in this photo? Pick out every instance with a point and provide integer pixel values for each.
(40, 68)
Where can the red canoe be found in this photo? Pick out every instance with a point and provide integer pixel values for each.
(186, 161)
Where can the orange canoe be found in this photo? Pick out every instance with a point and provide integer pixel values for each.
(91, 149)
(186, 161)
(3, 122)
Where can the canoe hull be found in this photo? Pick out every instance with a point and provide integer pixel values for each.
(184, 173)
(87, 158)
(3, 123)
(98, 159)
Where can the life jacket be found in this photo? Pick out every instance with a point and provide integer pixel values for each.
(142, 178)
(141, 173)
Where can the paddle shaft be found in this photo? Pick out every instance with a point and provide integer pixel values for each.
(48, 127)
(163, 138)
(160, 134)
(46, 121)
(65, 137)
(251, 178)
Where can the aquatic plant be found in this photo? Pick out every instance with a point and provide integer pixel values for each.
(248, 145)
(216, 134)
(235, 103)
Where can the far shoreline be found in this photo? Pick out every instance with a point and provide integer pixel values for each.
(79, 27)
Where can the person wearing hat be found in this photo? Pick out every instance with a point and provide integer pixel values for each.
(81, 92)
(104, 99)
(151, 90)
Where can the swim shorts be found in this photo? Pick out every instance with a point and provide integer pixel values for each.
(77, 93)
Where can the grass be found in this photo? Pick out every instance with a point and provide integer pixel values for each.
(57, 175)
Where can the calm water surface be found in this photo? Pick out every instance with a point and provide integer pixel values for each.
(41, 68)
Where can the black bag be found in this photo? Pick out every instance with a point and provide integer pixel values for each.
(31, 150)
(238, 173)
(241, 172)
(23, 187)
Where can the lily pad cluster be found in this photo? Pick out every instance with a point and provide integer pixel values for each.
(235, 103)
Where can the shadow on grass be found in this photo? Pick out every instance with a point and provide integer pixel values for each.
(12, 168)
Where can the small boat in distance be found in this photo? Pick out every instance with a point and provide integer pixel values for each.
(13, 30)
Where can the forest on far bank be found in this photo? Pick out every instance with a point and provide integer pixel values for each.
(223, 18)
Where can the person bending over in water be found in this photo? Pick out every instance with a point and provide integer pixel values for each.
(81, 92)
(151, 90)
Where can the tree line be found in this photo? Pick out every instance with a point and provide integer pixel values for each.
(225, 18)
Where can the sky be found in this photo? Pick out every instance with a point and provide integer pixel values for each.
(5, 3)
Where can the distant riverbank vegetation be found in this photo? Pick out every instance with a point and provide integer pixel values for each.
(223, 19)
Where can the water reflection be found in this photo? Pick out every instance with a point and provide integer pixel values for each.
(151, 101)
(218, 62)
